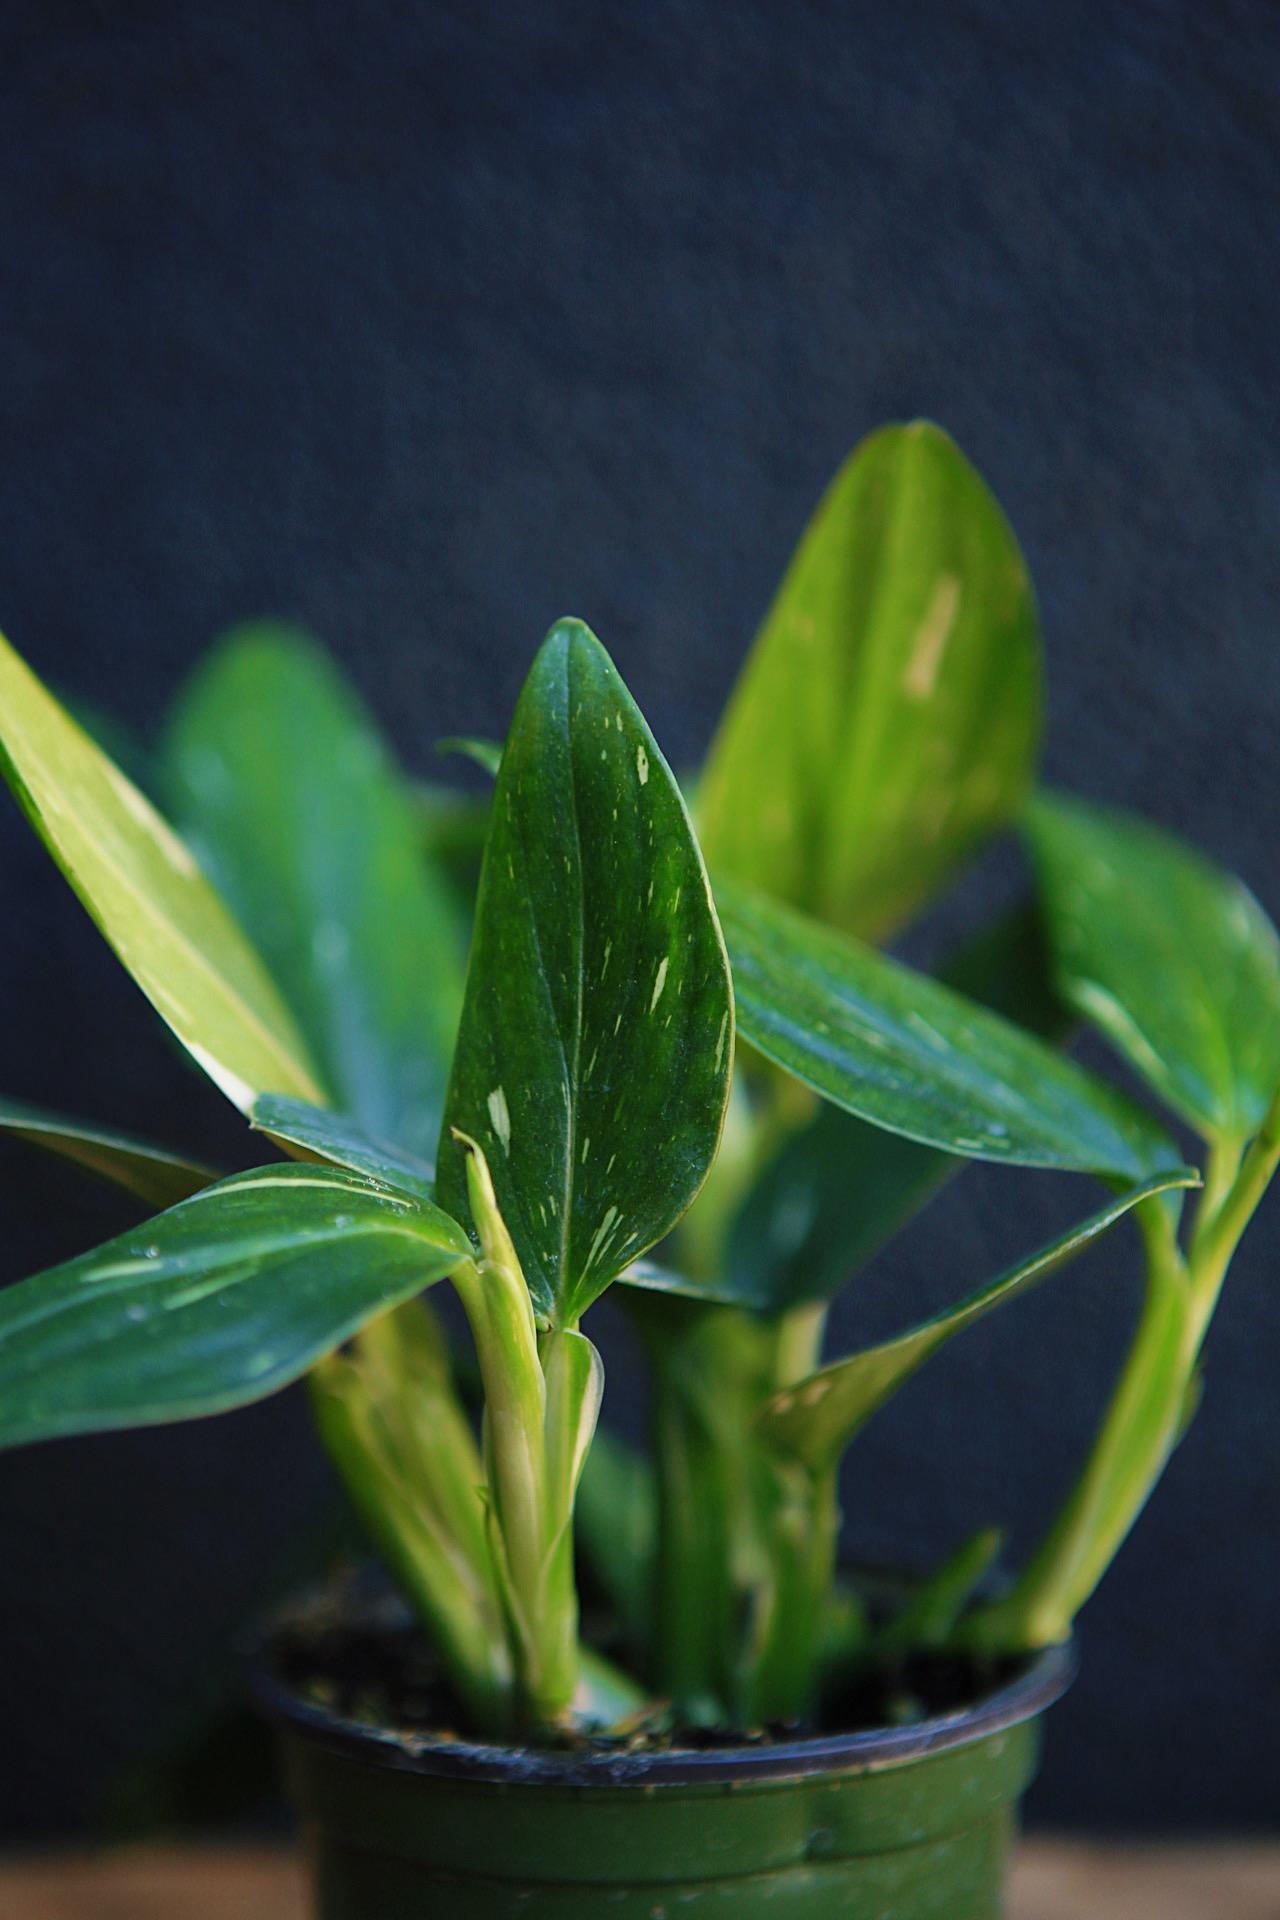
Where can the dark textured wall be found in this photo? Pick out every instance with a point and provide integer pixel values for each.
(426, 324)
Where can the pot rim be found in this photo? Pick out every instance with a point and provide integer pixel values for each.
(1045, 1678)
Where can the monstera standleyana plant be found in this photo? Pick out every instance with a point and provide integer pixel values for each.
(677, 1062)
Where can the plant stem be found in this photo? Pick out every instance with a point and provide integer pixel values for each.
(1152, 1403)
(706, 1369)
(1138, 1432)
(800, 1530)
(400, 1439)
(784, 1658)
(1217, 1238)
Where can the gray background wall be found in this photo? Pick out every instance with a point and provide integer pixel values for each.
(426, 324)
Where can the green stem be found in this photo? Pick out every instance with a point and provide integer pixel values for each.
(399, 1437)
(1217, 1239)
(799, 1524)
(1138, 1432)
(784, 1659)
(1152, 1403)
(703, 1363)
(574, 1385)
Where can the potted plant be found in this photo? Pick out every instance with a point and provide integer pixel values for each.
(725, 1074)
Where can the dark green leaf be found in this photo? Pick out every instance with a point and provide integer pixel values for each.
(218, 1302)
(817, 1419)
(334, 1137)
(1171, 957)
(594, 1054)
(908, 1054)
(487, 754)
(285, 790)
(146, 893)
(839, 1188)
(832, 1195)
(153, 1174)
(888, 716)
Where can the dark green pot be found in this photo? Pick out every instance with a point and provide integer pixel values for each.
(906, 1824)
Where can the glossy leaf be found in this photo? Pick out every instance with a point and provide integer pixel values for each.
(151, 1173)
(321, 1135)
(888, 716)
(908, 1054)
(837, 1189)
(149, 897)
(216, 1303)
(289, 798)
(816, 1420)
(651, 1277)
(593, 1059)
(1172, 958)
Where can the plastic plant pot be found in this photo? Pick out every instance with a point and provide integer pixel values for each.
(907, 1823)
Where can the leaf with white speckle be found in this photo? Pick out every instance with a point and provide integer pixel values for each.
(912, 1055)
(596, 1043)
(218, 1302)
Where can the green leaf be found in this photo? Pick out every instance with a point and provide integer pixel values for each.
(148, 896)
(649, 1277)
(887, 719)
(152, 1173)
(929, 1617)
(593, 1059)
(836, 1190)
(831, 1196)
(908, 1054)
(289, 798)
(1172, 958)
(487, 754)
(816, 1420)
(322, 1135)
(216, 1303)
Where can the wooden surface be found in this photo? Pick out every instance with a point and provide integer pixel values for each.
(1052, 1881)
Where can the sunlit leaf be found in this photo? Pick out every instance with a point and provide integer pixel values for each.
(888, 716)
(594, 1053)
(143, 887)
(1172, 958)
(220, 1301)
(817, 1419)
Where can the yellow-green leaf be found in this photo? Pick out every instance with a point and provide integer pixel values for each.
(888, 716)
(145, 891)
